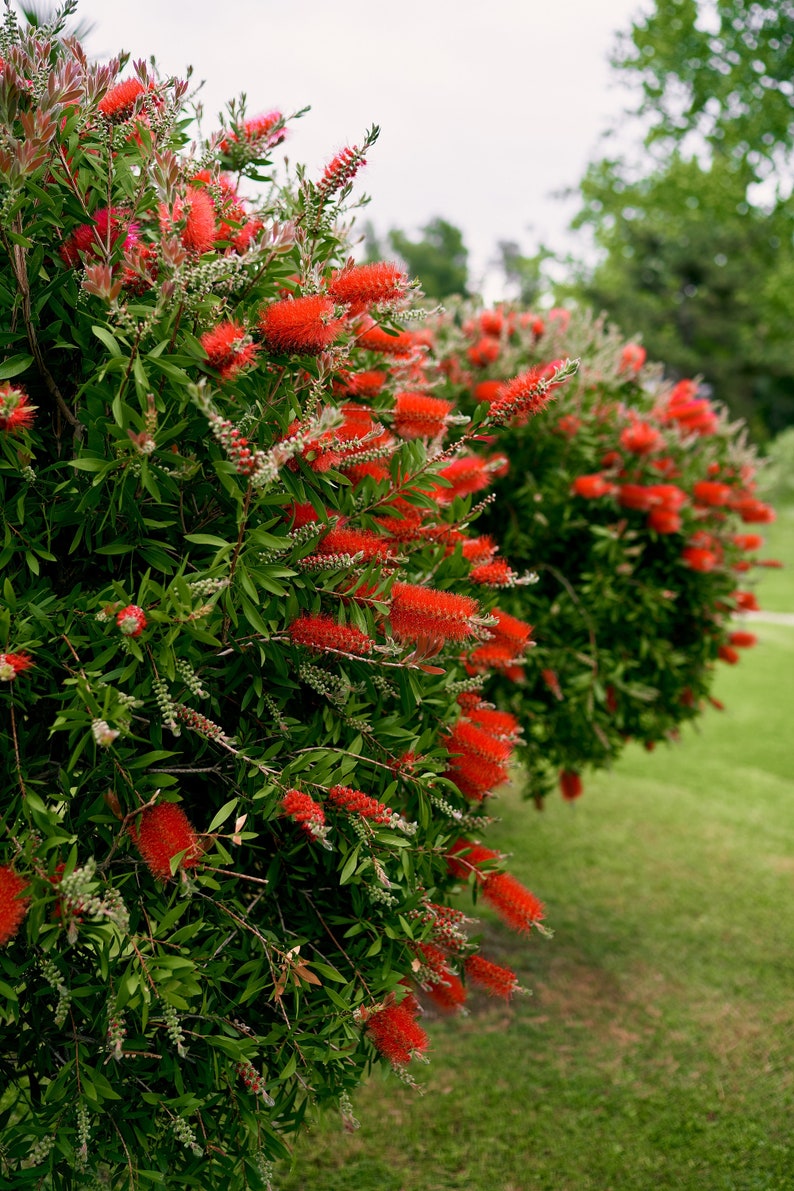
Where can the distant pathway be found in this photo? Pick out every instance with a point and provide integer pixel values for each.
(770, 617)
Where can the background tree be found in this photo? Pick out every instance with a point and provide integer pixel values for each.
(439, 258)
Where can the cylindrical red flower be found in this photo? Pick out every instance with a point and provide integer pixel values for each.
(304, 325)
(395, 1033)
(322, 632)
(131, 620)
(362, 286)
(12, 664)
(496, 980)
(641, 438)
(570, 784)
(591, 487)
(163, 831)
(422, 613)
(228, 348)
(417, 415)
(13, 905)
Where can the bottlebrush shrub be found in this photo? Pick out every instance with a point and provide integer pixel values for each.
(628, 497)
(240, 736)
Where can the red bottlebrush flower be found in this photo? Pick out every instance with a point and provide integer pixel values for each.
(197, 210)
(422, 613)
(362, 286)
(668, 497)
(466, 857)
(570, 784)
(357, 803)
(727, 653)
(484, 352)
(641, 438)
(748, 541)
(476, 776)
(711, 493)
(395, 1033)
(16, 412)
(91, 241)
(340, 170)
(323, 633)
(302, 513)
(592, 487)
(496, 723)
(632, 358)
(228, 348)
(475, 550)
(117, 104)
(552, 682)
(697, 558)
(340, 540)
(363, 384)
(466, 738)
(258, 128)
(375, 339)
(751, 510)
(13, 907)
(558, 314)
(466, 475)
(416, 415)
(12, 664)
(496, 980)
(305, 325)
(442, 985)
(745, 601)
(512, 631)
(131, 620)
(741, 639)
(302, 809)
(493, 574)
(488, 390)
(492, 322)
(513, 902)
(663, 520)
(569, 425)
(162, 833)
(636, 496)
(526, 394)
(770, 562)
(683, 392)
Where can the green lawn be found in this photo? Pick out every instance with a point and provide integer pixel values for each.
(657, 1049)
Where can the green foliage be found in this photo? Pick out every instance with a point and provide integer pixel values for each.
(439, 258)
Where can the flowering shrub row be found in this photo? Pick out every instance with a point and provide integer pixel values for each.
(243, 725)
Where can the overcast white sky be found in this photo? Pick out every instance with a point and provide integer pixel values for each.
(486, 107)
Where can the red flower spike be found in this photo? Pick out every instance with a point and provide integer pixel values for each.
(466, 475)
(131, 620)
(641, 438)
(422, 613)
(552, 682)
(13, 907)
(746, 601)
(362, 286)
(592, 487)
(416, 415)
(340, 170)
(117, 104)
(355, 802)
(341, 540)
(726, 653)
(524, 394)
(395, 1033)
(570, 785)
(163, 831)
(748, 541)
(256, 129)
(16, 412)
(741, 639)
(711, 493)
(304, 811)
(375, 339)
(305, 326)
(228, 348)
(493, 574)
(484, 352)
(323, 633)
(445, 989)
(90, 240)
(496, 980)
(466, 857)
(636, 496)
(513, 902)
(12, 664)
(201, 228)
(664, 521)
(699, 559)
(632, 358)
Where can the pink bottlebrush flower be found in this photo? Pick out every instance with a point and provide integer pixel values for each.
(118, 103)
(12, 664)
(375, 339)
(305, 326)
(395, 1033)
(92, 241)
(163, 831)
(591, 487)
(340, 170)
(13, 906)
(641, 438)
(422, 613)
(570, 784)
(229, 349)
(131, 620)
(16, 412)
(303, 810)
(416, 415)
(357, 803)
(632, 358)
(467, 475)
(323, 633)
(496, 980)
(361, 286)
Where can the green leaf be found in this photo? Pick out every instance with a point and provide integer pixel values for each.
(14, 365)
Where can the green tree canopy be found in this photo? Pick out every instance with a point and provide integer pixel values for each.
(439, 257)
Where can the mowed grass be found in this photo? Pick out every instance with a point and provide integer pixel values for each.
(657, 1049)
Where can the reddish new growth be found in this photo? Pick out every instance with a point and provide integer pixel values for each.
(570, 784)
(131, 620)
(357, 803)
(395, 1033)
(12, 664)
(416, 415)
(302, 809)
(362, 286)
(13, 907)
(321, 633)
(303, 325)
(496, 980)
(16, 412)
(423, 614)
(229, 349)
(340, 170)
(117, 104)
(163, 832)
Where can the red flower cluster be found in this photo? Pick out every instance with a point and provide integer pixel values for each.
(570, 785)
(423, 614)
(442, 985)
(416, 415)
(16, 412)
(357, 803)
(513, 902)
(302, 809)
(118, 103)
(93, 241)
(322, 632)
(496, 980)
(229, 349)
(12, 664)
(509, 640)
(131, 620)
(162, 833)
(13, 905)
(304, 326)
(360, 286)
(477, 759)
(395, 1032)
